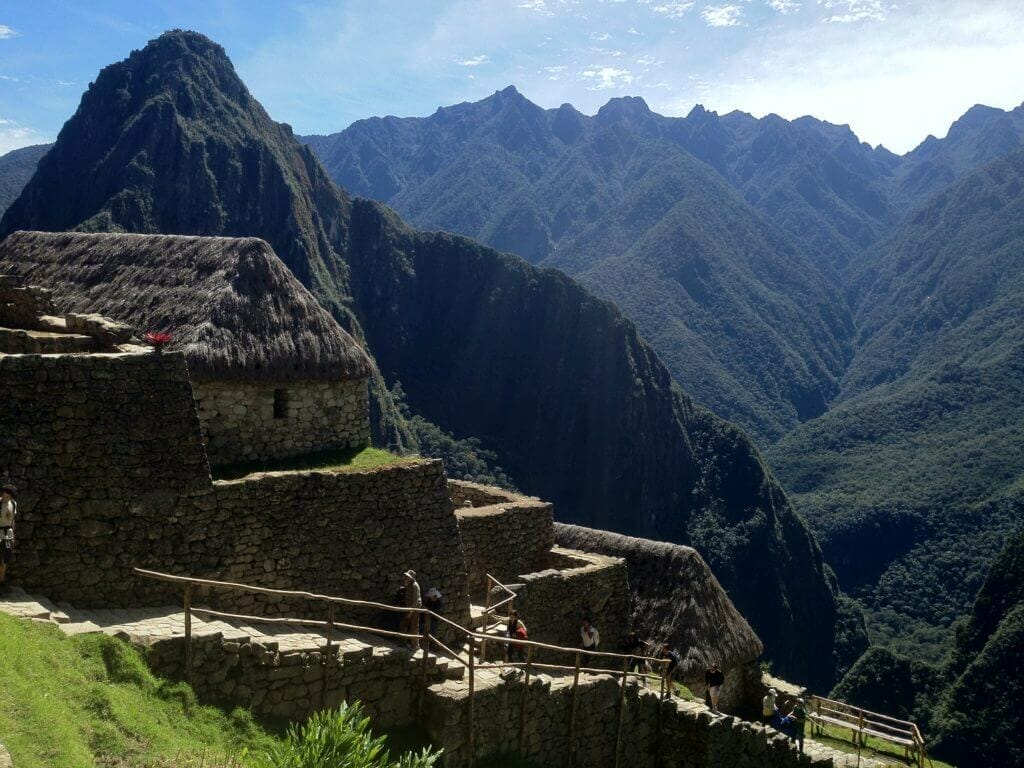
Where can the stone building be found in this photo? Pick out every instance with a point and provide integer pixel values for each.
(273, 373)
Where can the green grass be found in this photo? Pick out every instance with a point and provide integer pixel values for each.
(842, 739)
(90, 700)
(342, 460)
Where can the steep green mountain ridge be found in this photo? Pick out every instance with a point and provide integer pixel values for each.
(555, 381)
(743, 316)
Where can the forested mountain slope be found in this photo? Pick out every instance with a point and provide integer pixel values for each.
(556, 381)
(16, 168)
(927, 444)
(743, 315)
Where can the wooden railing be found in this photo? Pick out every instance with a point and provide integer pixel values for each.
(465, 637)
(490, 611)
(863, 723)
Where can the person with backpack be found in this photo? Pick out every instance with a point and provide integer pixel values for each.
(714, 679)
(515, 630)
(799, 723)
(8, 512)
(635, 648)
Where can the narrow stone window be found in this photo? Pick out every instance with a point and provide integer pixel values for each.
(280, 403)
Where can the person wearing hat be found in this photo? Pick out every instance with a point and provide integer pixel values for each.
(799, 721)
(769, 709)
(413, 599)
(434, 601)
(8, 511)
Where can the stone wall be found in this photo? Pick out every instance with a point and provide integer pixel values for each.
(255, 674)
(553, 602)
(350, 534)
(669, 734)
(107, 455)
(505, 540)
(253, 422)
(479, 495)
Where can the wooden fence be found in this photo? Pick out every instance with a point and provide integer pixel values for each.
(466, 638)
(863, 723)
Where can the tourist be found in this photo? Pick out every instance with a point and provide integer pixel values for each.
(434, 601)
(714, 679)
(668, 671)
(769, 709)
(8, 511)
(589, 636)
(515, 630)
(635, 648)
(799, 716)
(413, 599)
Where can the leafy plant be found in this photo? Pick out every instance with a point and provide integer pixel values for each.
(334, 738)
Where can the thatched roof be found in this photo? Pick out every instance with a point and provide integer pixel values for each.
(231, 305)
(675, 598)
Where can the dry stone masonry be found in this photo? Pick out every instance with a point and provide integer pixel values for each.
(247, 421)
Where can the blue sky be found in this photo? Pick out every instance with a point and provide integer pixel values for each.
(894, 71)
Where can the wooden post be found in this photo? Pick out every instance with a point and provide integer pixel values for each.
(487, 621)
(329, 633)
(661, 703)
(572, 714)
(469, 710)
(425, 642)
(188, 634)
(622, 709)
(522, 704)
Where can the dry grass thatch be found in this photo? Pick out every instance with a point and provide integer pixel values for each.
(675, 598)
(232, 306)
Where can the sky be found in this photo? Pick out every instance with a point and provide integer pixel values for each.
(895, 72)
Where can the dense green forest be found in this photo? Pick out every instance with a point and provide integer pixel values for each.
(971, 703)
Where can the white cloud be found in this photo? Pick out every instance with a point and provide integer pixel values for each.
(850, 11)
(13, 135)
(892, 83)
(535, 5)
(675, 9)
(603, 78)
(783, 6)
(722, 15)
(634, 31)
(6, 33)
(473, 61)
(600, 36)
(554, 72)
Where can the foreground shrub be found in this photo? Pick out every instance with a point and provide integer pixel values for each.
(335, 738)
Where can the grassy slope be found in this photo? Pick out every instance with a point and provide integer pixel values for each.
(90, 700)
(342, 460)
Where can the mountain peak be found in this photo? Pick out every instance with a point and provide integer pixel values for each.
(624, 107)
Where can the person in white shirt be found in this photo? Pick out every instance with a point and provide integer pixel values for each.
(413, 599)
(589, 636)
(8, 512)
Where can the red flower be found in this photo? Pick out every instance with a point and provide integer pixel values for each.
(156, 339)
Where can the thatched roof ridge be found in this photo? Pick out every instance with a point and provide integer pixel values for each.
(675, 598)
(231, 304)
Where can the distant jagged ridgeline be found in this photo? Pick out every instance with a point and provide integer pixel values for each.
(578, 408)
